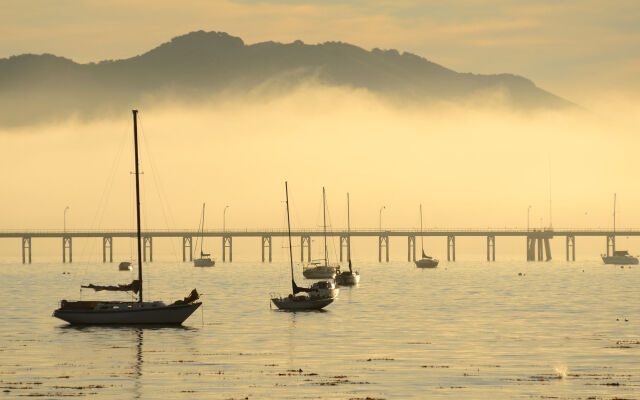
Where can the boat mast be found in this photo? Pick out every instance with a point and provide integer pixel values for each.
(293, 283)
(421, 235)
(135, 146)
(348, 231)
(202, 231)
(614, 222)
(324, 219)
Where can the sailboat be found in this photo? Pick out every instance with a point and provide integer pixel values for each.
(100, 312)
(205, 258)
(346, 278)
(619, 257)
(321, 269)
(426, 261)
(318, 296)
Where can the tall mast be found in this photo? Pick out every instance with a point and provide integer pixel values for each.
(135, 146)
(348, 230)
(202, 230)
(421, 235)
(293, 284)
(614, 222)
(324, 218)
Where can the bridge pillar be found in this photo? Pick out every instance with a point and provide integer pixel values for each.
(571, 243)
(383, 241)
(411, 248)
(531, 248)
(611, 245)
(345, 242)
(305, 241)
(26, 245)
(539, 249)
(107, 242)
(451, 248)
(227, 242)
(547, 249)
(66, 245)
(147, 243)
(266, 242)
(491, 248)
(187, 241)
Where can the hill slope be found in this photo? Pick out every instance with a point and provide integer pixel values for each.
(199, 65)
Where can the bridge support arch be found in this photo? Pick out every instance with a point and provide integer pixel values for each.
(345, 243)
(187, 242)
(147, 244)
(451, 248)
(227, 243)
(383, 241)
(491, 248)
(611, 245)
(107, 242)
(571, 245)
(266, 242)
(66, 246)
(26, 248)
(305, 242)
(411, 248)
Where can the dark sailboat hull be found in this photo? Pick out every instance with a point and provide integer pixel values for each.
(127, 313)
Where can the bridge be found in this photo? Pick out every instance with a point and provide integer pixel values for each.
(538, 241)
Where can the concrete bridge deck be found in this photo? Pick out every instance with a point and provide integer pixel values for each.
(537, 239)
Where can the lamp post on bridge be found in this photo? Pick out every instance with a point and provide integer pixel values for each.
(380, 220)
(64, 226)
(528, 212)
(224, 219)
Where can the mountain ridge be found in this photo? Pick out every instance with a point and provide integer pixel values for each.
(201, 64)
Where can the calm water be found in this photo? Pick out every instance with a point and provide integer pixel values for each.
(465, 330)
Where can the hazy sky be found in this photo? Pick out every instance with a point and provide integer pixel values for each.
(574, 48)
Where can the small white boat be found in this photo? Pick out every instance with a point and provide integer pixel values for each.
(323, 290)
(348, 278)
(318, 270)
(204, 261)
(620, 257)
(205, 258)
(316, 297)
(426, 261)
(322, 269)
(128, 312)
(125, 266)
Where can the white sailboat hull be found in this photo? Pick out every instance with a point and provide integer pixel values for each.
(128, 313)
(320, 272)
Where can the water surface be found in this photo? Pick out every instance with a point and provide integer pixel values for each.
(467, 330)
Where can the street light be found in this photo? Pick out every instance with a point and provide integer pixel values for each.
(224, 218)
(528, 212)
(381, 208)
(65, 219)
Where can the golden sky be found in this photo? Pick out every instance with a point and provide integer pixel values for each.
(575, 48)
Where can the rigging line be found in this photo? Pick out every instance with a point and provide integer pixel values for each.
(102, 205)
(330, 225)
(161, 194)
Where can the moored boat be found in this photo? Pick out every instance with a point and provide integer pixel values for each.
(316, 297)
(128, 312)
(426, 261)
